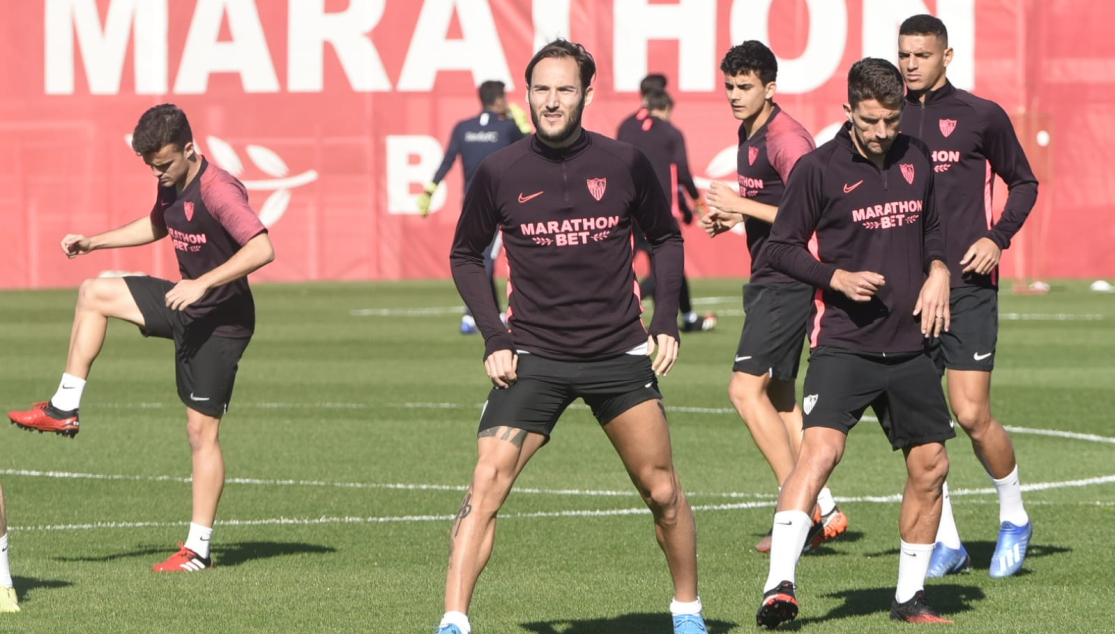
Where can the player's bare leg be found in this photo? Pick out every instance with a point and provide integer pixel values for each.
(641, 436)
(208, 465)
(8, 600)
(927, 466)
(97, 300)
(749, 395)
(503, 452)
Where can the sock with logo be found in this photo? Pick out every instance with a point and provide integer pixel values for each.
(913, 565)
(825, 501)
(460, 619)
(1010, 499)
(677, 608)
(787, 538)
(946, 530)
(68, 396)
(198, 541)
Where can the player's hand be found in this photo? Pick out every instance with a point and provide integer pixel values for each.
(424, 199)
(717, 221)
(185, 293)
(722, 196)
(75, 244)
(667, 354)
(860, 286)
(502, 367)
(982, 257)
(933, 301)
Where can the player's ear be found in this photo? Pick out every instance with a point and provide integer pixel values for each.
(770, 89)
(848, 111)
(589, 92)
(190, 150)
(948, 56)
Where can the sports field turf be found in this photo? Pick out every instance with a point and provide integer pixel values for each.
(352, 434)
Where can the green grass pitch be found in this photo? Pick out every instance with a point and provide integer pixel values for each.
(352, 434)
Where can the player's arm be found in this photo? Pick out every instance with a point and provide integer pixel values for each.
(933, 300)
(785, 150)
(652, 213)
(253, 255)
(733, 208)
(475, 228)
(451, 153)
(138, 232)
(1008, 160)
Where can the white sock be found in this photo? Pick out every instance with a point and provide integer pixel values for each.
(913, 565)
(1010, 499)
(5, 571)
(677, 608)
(198, 541)
(460, 619)
(690, 317)
(825, 501)
(787, 538)
(946, 530)
(68, 396)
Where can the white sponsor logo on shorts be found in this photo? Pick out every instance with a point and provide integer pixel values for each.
(980, 357)
(809, 402)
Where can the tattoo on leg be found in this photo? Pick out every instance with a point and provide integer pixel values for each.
(512, 435)
(466, 508)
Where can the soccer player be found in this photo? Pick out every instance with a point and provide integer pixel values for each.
(567, 201)
(865, 201)
(664, 146)
(474, 139)
(210, 313)
(8, 599)
(777, 305)
(970, 138)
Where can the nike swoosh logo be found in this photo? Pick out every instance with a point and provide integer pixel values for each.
(848, 188)
(743, 358)
(69, 387)
(197, 398)
(524, 199)
(649, 384)
(980, 357)
(784, 523)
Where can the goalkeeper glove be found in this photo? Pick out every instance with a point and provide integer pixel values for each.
(520, 117)
(424, 199)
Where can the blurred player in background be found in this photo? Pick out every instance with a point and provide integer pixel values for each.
(858, 222)
(777, 306)
(210, 314)
(496, 127)
(664, 145)
(567, 201)
(970, 139)
(8, 600)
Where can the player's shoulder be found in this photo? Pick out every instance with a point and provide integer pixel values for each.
(216, 180)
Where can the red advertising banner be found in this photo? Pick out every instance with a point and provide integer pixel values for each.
(335, 113)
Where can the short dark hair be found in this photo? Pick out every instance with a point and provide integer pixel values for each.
(658, 100)
(564, 48)
(751, 56)
(160, 126)
(925, 24)
(878, 79)
(491, 91)
(652, 82)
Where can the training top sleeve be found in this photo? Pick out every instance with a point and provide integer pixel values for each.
(933, 236)
(652, 213)
(681, 159)
(797, 219)
(784, 151)
(455, 141)
(227, 201)
(475, 228)
(1008, 160)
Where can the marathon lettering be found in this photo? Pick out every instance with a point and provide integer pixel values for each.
(746, 182)
(482, 137)
(887, 209)
(186, 241)
(946, 156)
(570, 232)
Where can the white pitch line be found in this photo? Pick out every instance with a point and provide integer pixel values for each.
(1059, 434)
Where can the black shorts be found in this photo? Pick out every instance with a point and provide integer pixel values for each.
(904, 390)
(204, 364)
(973, 332)
(773, 330)
(546, 387)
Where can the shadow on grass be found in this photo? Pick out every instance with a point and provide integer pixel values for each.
(949, 600)
(626, 624)
(223, 556)
(25, 587)
(981, 553)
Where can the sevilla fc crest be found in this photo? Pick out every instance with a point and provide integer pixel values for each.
(596, 187)
(752, 154)
(947, 126)
(188, 207)
(907, 172)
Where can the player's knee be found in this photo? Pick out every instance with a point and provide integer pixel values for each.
(490, 481)
(972, 416)
(662, 492)
(745, 392)
(932, 468)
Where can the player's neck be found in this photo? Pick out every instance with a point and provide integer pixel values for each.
(760, 118)
(191, 173)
